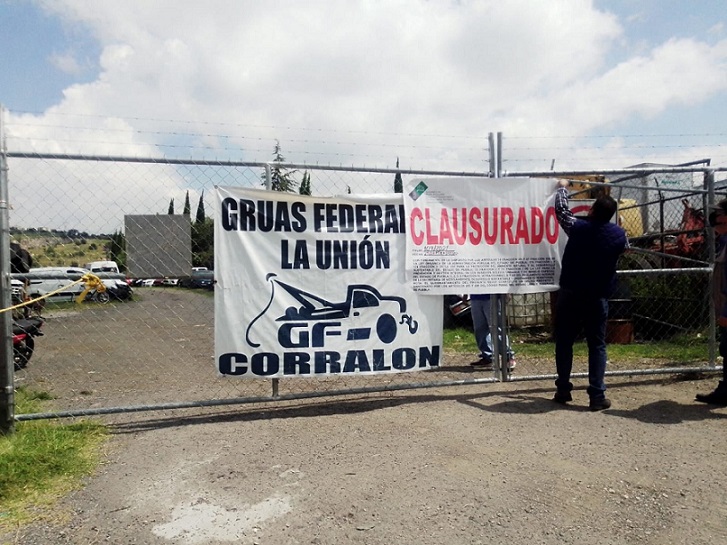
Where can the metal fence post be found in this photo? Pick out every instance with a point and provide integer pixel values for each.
(7, 368)
(275, 383)
(708, 199)
(502, 321)
(497, 301)
(268, 177)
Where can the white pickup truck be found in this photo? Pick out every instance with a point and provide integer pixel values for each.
(102, 266)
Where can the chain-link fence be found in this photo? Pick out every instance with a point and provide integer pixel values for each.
(151, 347)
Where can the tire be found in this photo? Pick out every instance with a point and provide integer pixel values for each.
(386, 328)
(102, 297)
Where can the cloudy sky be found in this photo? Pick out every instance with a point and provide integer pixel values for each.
(572, 83)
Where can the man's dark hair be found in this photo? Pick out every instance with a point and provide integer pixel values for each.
(720, 207)
(603, 209)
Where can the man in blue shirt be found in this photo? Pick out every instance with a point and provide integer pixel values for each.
(587, 278)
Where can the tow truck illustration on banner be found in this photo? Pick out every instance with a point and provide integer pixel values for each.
(364, 309)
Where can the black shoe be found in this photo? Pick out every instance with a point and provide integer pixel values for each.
(562, 397)
(483, 363)
(599, 404)
(714, 398)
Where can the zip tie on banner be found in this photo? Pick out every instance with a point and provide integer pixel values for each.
(91, 280)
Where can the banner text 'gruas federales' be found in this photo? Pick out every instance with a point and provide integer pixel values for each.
(487, 225)
(292, 217)
(282, 216)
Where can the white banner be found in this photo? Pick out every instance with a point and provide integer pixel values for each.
(482, 235)
(313, 286)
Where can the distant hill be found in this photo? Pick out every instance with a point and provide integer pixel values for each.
(57, 249)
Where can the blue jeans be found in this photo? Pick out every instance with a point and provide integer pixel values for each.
(574, 311)
(480, 310)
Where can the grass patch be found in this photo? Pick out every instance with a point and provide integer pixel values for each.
(459, 340)
(62, 305)
(43, 460)
(679, 349)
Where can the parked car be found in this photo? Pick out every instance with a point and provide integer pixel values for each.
(102, 266)
(117, 286)
(199, 280)
(45, 280)
(119, 290)
(149, 282)
(18, 291)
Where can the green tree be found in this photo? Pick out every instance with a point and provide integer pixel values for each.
(200, 209)
(203, 244)
(305, 184)
(282, 178)
(398, 183)
(171, 206)
(187, 207)
(116, 249)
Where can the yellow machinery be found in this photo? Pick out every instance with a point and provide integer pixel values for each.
(629, 216)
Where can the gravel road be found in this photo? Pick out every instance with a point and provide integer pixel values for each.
(488, 463)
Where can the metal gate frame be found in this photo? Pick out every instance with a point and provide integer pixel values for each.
(7, 416)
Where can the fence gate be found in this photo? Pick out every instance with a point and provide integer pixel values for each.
(154, 349)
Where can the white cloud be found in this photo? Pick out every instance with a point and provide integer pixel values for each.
(66, 63)
(717, 29)
(409, 66)
(353, 82)
(678, 72)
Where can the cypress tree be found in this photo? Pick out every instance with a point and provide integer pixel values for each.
(200, 209)
(282, 179)
(187, 207)
(398, 184)
(305, 184)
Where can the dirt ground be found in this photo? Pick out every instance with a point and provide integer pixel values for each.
(473, 464)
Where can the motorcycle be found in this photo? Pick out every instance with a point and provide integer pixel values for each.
(24, 332)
